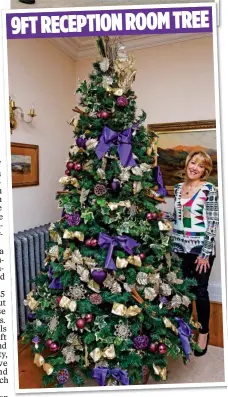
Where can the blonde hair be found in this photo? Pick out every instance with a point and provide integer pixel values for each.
(207, 162)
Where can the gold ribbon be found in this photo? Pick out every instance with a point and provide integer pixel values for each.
(135, 260)
(114, 206)
(120, 310)
(93, 286)
(168, 324)
(54, 252)
(40, 362)
(67, 303)
(121, 263)
(66, 180)
(86, 357)
(108, 352)
(31, 302)
(162, 372)
(71, 235)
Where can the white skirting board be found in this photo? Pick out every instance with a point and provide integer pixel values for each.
(215, 292)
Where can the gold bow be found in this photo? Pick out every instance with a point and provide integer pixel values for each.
(40, 362)
(120, 310)
(71, 235)
(114, 206)
(108, 352)
(67, 303)
(31, 302)
(162, 372)
(135, 260)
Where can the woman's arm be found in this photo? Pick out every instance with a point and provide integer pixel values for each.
(212, 214)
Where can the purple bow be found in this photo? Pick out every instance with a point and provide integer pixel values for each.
(100, 374)
(123, 139)
(105, 241)
(184, 332)
(55, 282)
(158, 177)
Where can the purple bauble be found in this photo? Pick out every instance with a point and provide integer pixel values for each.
(67, 172)
(88, 243)
(54, 347)
(104, 114)
(48, 342)
(62, 376)
(153, 347)
(89, 317)
(81, 142)
(142, 256)
(77, 167)
(31, 317)
(70, 165)
(80, 323)
(141, 342)
(151, 216)
(74, 219)
(122, 101)
(93, 242)
(162, 348)
(99, 276)
(115, 185)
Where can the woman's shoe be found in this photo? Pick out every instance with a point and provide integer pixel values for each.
(204, 351)
(27, 1)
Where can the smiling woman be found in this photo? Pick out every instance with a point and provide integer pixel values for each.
(196, 220)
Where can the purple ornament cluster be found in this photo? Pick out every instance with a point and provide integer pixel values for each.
(62, 376)
(141, 342)
(73, 219)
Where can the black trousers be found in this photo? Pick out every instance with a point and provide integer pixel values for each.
(202, 297)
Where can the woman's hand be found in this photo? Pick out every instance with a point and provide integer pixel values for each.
(202, 264)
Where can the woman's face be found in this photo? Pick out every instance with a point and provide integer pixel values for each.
(195, 169)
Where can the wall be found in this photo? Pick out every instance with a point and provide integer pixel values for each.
(40, 73)
(175, 82)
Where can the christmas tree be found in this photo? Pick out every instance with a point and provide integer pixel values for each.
(111, 304)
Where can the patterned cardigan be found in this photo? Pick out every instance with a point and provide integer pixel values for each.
(195, 221)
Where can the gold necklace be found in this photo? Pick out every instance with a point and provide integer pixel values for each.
(190, 188)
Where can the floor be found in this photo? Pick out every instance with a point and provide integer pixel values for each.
(81, 3)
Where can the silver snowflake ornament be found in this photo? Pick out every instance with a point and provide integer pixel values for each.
(77, 292)
(122, 330)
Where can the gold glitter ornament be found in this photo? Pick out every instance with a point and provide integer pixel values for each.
(165, 289)
(83, 273)
(185, 301)
(150, 293)
(142, 278)
(176, 301)
(137, 187)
